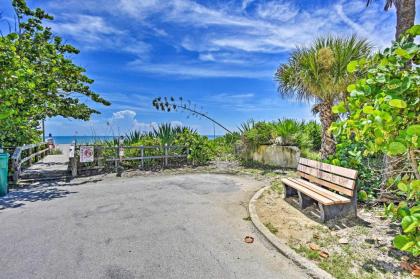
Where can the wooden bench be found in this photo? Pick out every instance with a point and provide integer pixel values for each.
(332, 187)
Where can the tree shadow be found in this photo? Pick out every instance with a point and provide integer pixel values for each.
(20, 197)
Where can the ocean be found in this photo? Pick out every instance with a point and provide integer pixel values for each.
(92, 139)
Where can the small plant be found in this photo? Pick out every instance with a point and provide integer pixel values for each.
(271, 228)
(246, 126)
(408, 214)
(277, 186)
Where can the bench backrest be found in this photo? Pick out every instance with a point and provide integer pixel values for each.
(336, 178)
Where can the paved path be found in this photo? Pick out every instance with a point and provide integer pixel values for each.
(184, 226)
(52, 166)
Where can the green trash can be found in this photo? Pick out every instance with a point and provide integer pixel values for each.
(4, 166)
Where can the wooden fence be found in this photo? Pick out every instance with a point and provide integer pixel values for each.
(24, 156)
(118, 158)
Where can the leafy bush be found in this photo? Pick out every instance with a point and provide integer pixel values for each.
(368, 167)
(200, 149)
(307, 136)
(408, 212)
(383, 116)
(261, 133)
(313, 130)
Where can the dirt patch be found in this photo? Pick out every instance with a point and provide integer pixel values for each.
(355, 248)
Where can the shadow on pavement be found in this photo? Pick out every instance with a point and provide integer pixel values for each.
(18, 198)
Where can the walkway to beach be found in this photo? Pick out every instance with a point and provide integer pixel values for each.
(49, 168)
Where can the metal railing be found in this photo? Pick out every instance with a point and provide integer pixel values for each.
(26, 155)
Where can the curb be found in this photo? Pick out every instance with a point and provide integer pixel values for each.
(308, 266)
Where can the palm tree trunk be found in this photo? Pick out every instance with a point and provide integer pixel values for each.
(406, 13)
(327, 118)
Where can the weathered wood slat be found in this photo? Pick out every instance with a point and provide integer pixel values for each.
(33, 155)
(306, 191)
(339, 180)
(322, 191)
(349, 173)
(330, 185)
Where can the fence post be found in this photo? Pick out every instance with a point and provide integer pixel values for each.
(166, 154)
(29, 154)
(119, 157)
(73, 160)
(142, 155)
(16, 164)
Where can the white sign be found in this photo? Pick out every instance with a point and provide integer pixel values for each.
(121, 152)
(71, 151)
(86, 154)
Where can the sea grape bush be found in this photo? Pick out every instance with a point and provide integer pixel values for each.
(383, 114)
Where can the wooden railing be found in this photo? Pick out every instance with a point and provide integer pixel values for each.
(114, 157)
(24, 156)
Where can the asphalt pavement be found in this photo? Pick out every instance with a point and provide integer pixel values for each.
(179, 226)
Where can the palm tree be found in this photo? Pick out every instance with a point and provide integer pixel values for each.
(406, 13)
(319, 73)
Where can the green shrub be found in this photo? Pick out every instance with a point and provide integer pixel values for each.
(307, 136)
(261, 133)
(350, 155)
(201, 151)
(313, 130)
(383, 116)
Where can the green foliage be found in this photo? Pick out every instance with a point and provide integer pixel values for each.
(261, 133)
(379, 114)
(384, 116)
(246, 126)
(200, 149)
(350, 155)
(318, 73)
(307, 136)
(224, 147)
(313, 130)
(408, 213)
(37, 79)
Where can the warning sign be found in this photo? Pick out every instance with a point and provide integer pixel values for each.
(86, 154)
(71, 151)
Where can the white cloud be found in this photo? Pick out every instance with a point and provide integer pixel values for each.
(197, 70)
(246, 3)
(227, 40)
(85, 28)
(277, 10)
(206, 57)
(124, 114)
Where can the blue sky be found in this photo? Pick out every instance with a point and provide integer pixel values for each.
(221, 55)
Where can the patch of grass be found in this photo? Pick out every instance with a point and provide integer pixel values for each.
(277, 186)
(361, 230)
(339, 264)
(247, 218)
(306, 252)
(271, 228)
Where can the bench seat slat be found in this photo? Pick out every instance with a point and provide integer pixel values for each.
(322, 191)
(306, 191)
